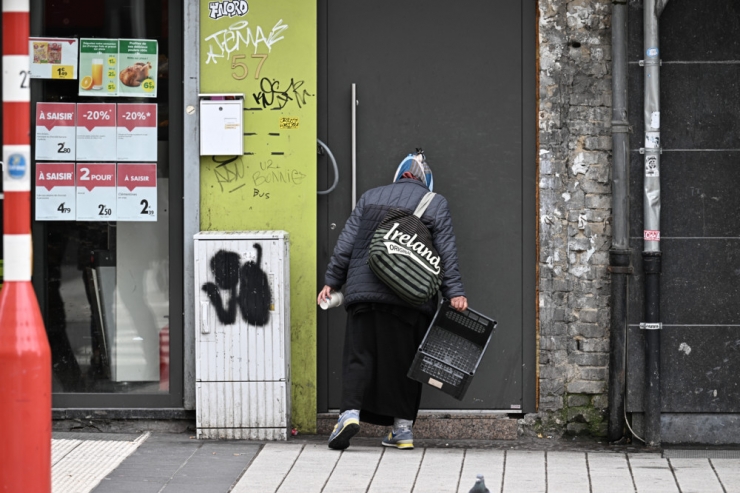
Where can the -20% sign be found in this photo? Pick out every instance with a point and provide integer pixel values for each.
(136, 115)
(97, 115)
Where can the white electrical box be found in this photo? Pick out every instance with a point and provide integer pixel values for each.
(242, 349)
(221, 124)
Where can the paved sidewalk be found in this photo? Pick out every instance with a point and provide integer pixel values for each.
(179, 463)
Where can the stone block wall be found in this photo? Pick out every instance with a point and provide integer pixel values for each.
(574, 216)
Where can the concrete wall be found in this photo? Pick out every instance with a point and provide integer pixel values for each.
(574, 216)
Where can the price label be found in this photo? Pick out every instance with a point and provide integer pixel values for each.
(96, 132)
(96, 191)
(55, 192)
(137, 192)
(137, 132)
(55, 131)
(53, 58)
(148, 85)
(62, 72)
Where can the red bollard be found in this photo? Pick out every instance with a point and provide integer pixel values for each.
(25, 357)
(25, 392)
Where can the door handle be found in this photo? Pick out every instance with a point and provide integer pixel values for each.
(355, 103)
(336, 169)
(204, 328)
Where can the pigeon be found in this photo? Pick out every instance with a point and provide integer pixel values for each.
(480, 486)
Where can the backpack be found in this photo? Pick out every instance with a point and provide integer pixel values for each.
(402, 255)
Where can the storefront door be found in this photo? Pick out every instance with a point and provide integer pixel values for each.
(458, 81)
(108, 261)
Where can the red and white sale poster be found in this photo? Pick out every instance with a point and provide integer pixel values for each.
(55, 131)
(137, 132)
(55, 192)
(137, 192)
(96, 191)
(96, 132)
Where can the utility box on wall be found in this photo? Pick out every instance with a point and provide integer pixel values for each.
(242, 350)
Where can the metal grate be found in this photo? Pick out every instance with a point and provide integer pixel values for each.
(700, 454)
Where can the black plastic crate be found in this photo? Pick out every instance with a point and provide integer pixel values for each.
(452, 349)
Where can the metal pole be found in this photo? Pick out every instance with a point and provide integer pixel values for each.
(25, 357)
(651, 255)
(620, 253)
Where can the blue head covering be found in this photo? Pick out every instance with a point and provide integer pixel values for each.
(416, 164)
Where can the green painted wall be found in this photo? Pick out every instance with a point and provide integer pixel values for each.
(269, 55)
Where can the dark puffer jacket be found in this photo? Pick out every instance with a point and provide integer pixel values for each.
(349, 266)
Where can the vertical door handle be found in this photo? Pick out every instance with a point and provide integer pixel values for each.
(355, 103)
(204, 328)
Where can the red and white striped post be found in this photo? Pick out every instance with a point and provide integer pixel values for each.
(25, 358)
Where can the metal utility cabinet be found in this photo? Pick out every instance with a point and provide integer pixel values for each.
(242, 349)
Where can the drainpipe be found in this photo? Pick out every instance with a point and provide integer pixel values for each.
(620, 253)
(651, 255)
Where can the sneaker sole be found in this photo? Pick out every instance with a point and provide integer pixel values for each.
(341, 441)
(402, 446)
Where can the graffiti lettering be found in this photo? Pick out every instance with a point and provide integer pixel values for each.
(290, 177)
(254, 297)
(240, 36)
(229, 171)
(228, 7)
(271, 95)
(257, 193)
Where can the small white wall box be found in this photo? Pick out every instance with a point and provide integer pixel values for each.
(242, 340)
(221, 124)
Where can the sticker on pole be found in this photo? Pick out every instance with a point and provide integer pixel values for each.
(17, 166)
(651, 167)
(652, 140)
(55, 131)
(651, 235)
(137, 192)
(96, 192)
(55, 192)
(652, 52)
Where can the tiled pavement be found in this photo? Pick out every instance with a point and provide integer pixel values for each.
(179, 463)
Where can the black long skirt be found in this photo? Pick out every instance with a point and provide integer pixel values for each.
(379, 347)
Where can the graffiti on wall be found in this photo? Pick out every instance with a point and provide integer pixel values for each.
(245, 286)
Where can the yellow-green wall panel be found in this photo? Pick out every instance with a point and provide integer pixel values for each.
(269, 55)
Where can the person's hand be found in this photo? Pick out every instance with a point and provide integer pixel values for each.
(459, 303)
(324, 294)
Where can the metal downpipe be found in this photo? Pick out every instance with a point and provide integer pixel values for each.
(620, 253)
(651, 255)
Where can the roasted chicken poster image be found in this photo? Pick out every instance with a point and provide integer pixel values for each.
(137, 68)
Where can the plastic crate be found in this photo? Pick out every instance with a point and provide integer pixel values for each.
(452, 349)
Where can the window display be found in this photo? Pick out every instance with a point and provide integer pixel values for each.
(102, 187)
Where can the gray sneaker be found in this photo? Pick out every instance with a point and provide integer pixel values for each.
(347, 426)
(402, 438)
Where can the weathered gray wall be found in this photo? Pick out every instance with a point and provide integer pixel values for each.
(574, 216)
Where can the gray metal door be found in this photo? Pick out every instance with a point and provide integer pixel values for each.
(459, 82)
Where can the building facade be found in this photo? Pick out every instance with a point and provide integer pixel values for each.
(513, 104)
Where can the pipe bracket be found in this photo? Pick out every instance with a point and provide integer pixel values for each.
(618, 269)
(651, 63)
(646, 326)
(620, 127)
